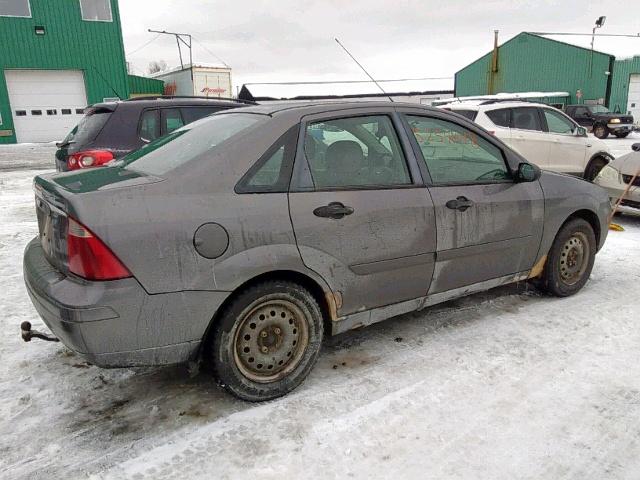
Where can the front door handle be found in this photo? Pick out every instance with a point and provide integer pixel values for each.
(336, 210)
(460, 203)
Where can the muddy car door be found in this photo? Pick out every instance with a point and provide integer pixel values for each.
(361, 215)
(488, 225)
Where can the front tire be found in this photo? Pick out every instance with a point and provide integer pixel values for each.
(622, 134)
(600, 131)
(267, 340)
(570, 260)
(594, 167)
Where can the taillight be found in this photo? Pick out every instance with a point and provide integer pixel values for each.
(90, 258)
(492, 132)
(89, 158)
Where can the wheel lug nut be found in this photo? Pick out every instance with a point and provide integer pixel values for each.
(265, 350)
(263, 334)
(277, 331)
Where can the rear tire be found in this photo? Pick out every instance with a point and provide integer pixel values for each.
(570, 260)
(267, 340)
(622, 135)
(600, 131)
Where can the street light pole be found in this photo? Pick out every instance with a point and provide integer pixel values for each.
(599, 24)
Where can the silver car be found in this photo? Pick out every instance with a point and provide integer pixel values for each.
(616, 177)
(245, 237)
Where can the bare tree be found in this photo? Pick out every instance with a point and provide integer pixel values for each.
(156, 66)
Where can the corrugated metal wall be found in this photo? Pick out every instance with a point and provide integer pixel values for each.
(622, 70)
(144, 86)
(69, 43)
(531, 63)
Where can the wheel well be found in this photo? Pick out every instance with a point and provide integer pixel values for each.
(595, 158)
(291, 276)
(591, 218)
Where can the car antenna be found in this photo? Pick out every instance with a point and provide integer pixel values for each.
(358, 63)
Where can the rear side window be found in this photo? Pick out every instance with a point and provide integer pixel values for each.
(355, 152)
(500, 117)
(526, 118)
(187, 143)
(89, 127)
(191, 114)
(150, 125)
(470, 114)
(272, 172)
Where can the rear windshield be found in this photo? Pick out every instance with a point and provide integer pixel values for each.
(87, 130)
(599, 109)
(168, 152)
(470, 114)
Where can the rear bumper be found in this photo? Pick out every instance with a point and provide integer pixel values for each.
(117, 323)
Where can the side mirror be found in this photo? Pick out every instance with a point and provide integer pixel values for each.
(581, 132)
(528, 172)
(635, 147)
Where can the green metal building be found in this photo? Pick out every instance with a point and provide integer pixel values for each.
(57, 57)
(529, 62)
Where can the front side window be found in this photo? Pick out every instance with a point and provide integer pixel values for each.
(470, 114)
(15, 8)
(456, 155)
(526, 118)
(355, 152)
(557, 123)
(96, 10)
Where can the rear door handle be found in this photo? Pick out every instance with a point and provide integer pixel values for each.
(335, 210)
(460, 203)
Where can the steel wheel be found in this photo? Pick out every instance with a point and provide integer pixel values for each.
(600, 131)
(270, 340)
(574, 258)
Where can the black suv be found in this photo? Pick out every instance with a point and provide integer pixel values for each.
(111, 130)
(601, 120)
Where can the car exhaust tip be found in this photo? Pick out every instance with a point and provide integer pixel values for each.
(27, 334)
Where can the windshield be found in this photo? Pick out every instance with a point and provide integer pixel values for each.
(88, 128)
(168, 152)
(599, 109)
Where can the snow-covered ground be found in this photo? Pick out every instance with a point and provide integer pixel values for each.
(505, 384)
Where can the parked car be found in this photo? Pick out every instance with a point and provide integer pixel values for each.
(111, 130)
(616, 177)
(243, 237)
(542, 134)
(602, 121)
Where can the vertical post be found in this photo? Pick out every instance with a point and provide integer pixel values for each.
(494, 64)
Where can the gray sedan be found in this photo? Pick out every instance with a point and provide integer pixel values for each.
(245, 237)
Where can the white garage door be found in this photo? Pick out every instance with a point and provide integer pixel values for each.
(45, 104)
(633, 104)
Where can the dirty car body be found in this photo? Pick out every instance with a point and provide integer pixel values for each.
(616, 178)
(376, 209)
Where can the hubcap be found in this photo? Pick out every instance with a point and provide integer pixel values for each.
(574, 258)
(270, 340)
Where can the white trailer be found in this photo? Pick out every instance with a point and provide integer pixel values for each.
(199, 80)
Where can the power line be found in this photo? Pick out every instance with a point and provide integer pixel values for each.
(211, 53)
(637, 35)
(143, 45)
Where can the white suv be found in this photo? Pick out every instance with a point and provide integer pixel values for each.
(540, 133)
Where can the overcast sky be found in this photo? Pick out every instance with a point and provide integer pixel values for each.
(292, 40)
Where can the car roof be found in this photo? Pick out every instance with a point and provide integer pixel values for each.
(307, 108)
(488, 105)
(162, 101)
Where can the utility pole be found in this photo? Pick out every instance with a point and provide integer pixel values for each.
(179, 38)
(494, 64)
